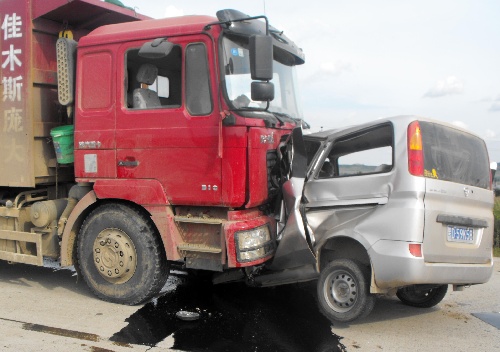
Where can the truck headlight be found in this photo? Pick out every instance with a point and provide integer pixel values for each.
(253, 244)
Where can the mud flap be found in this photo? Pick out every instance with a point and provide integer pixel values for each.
(294, 240)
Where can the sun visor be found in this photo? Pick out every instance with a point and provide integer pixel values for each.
(282, 44)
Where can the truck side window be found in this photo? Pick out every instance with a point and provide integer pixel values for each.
(99, 82)
(198, 99)
(153, 83)
(361, 153)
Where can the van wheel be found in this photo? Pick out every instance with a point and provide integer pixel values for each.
(344, 290)
(422, 296)
(120, 255)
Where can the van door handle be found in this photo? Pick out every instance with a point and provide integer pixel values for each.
(461, 221)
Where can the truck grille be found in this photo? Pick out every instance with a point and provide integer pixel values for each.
(272, 174)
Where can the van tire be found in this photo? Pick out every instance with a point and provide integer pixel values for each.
(421, 297)
(121, 256)
(344, 290)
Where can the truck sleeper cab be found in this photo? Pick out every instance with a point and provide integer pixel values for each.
(402, 205)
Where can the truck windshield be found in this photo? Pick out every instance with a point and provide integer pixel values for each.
(237, 79)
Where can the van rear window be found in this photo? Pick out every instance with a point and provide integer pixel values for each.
(453, 155)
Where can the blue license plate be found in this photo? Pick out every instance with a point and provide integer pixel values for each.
(460, 234)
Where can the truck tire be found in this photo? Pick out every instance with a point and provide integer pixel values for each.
(344, 290)
(420, 296)
(121, 256)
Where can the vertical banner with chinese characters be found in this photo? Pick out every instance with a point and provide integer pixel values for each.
(15, 127)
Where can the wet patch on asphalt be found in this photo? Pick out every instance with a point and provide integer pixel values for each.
(233, 317)
(491, 318)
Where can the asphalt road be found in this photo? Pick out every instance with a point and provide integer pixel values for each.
(45, 309)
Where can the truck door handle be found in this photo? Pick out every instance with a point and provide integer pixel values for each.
(128, 163)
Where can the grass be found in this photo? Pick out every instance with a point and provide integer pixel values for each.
(496, 214)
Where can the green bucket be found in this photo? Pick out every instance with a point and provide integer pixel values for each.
(63, 143)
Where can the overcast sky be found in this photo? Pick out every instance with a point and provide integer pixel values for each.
(370, 59)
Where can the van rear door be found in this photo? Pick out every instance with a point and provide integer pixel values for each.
(458, 200)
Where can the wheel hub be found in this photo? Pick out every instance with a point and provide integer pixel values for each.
(115, 256)
(341, 291)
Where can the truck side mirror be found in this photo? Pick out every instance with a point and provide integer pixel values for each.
(261, 57)
(157, 49)
(262, 91)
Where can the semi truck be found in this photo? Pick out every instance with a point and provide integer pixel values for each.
(130, 146)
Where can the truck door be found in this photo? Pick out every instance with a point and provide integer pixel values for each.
(167, 125)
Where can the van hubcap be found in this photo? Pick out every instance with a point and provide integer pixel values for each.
(340, 291)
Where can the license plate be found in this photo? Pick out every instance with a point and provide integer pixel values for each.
(460, 234)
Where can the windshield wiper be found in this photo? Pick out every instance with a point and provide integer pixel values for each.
(298, 121)
(282, 117)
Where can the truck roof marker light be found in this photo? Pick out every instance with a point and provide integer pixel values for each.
(415, 150)
(415, 249)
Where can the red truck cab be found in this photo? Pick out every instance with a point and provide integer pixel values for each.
(176, 125)
(193, 146)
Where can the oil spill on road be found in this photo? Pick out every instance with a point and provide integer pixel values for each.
(234, 317)
(61, 332)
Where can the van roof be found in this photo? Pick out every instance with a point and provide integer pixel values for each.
(399, 120)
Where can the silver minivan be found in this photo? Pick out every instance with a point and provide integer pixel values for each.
(396, 206)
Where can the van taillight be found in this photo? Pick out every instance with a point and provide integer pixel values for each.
(415, 150)
(415, 249)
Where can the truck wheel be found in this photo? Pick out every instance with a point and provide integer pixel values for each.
(344, 290)
(120, 255)
(422, 296)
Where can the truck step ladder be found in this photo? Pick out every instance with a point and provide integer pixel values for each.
(17, 257)
(202, 243)
(193, 247)
(198, 220)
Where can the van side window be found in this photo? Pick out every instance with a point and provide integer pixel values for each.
(153, 83)
(361, 153)
(311, 149)
(198, 98)
(369, 161)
